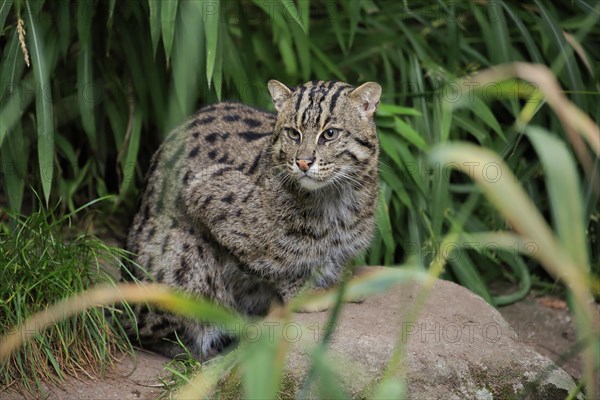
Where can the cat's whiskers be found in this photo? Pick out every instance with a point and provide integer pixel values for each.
(335, 183)
(345, 177)
(283, 176)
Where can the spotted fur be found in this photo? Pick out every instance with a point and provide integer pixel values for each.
(245, 207)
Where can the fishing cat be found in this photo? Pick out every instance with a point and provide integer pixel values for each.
(244, 206)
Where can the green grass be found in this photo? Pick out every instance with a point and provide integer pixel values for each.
(43, 260)
(179, 369)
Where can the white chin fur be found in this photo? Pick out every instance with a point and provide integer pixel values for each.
(311, 184)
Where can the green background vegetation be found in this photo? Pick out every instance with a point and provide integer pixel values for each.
(109, 79)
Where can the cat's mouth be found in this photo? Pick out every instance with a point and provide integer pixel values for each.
(312, 179)
(310, 183)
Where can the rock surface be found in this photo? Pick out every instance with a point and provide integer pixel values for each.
(458, 348)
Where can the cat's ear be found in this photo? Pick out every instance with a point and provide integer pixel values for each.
(279, 92)
(367, 96)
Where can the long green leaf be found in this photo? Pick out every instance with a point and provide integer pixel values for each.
(485, 114)
(467, 274)
(393, 180)
(211, 16)
(354, 13)
(261, 374)
(133, 146)
(155, 23)
(562, 183)
(522, 272)
(328, 378)
(111, 13)
(11, 68)
(292, 11)
(168, 14)
(304, 9)
(5, 6)
(235, 70)
(386, 110)
(390, 388)
(63, 26)
(137, 69)
(188, 55)
(303, 50)
(384, 224)
(334, 21)
(218, 69)
(445, 123)
(288, 56)
(14, 108)
(14, 155)
(532, 47)
(85, 13)
(501, 50)
(321, 56)
(85, 76)
(424, 124)
(556, 35)
(201, 384)
(410, 134)
(43, 102)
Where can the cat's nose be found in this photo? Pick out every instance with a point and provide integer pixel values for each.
(305, 163)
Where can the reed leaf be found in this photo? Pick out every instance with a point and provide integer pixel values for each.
(168, 15)
(43, 102)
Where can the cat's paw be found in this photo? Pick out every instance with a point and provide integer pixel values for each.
(323, 304)
(312, 300)
(356, 298)
(311, 308)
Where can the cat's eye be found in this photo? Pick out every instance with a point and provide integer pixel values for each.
(330, 134)
(293, 134)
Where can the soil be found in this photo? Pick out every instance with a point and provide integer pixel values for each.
(543, 323)
(546, 324)
(134, 378)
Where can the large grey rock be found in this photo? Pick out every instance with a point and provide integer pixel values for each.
(458, 348)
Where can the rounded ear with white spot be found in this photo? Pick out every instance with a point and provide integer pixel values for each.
(367, 96)
(279, 92)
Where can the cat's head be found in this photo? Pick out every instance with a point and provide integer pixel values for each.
(325, 133)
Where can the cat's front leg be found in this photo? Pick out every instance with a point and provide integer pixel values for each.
(324, 279)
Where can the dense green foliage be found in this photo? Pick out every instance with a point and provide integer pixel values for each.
(40, 265)
(109, 79)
